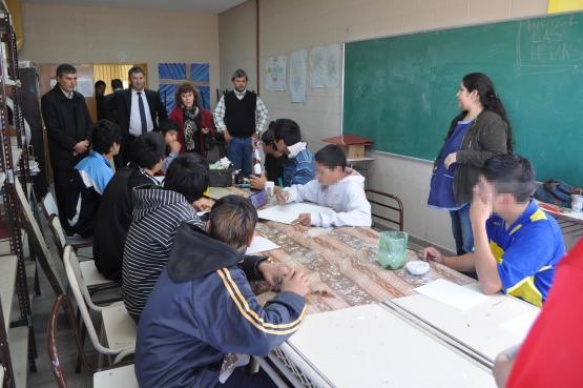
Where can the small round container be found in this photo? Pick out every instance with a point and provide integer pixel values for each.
(417, 268)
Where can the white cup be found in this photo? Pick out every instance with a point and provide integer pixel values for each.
(269, 188)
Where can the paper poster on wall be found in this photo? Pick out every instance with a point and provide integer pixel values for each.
(325, 66)
(556, 6)
(298, 76)
(275, 73)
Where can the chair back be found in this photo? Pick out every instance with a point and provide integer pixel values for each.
(61, 302)
(386, 207)
(58, 233)
(45, 258)
(49, 205)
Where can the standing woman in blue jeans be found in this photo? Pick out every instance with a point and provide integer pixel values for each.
(479, 132)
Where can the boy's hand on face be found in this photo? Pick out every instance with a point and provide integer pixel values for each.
(175, 146)
(481, 207)
(297, 283)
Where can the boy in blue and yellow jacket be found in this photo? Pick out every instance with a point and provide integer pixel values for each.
(202, 308)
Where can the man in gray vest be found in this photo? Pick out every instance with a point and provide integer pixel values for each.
(241, 116)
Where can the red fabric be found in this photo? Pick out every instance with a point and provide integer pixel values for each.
(177, 116)
(553, 350)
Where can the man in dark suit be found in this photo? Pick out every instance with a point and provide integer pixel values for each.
(137, 110)
(68, 126)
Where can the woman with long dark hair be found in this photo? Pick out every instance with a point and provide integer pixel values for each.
(480, 131)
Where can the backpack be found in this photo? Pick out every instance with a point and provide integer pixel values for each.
(555, 192)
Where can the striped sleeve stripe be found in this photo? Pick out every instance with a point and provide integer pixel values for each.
(250, 315)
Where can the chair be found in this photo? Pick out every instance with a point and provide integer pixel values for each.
(93, 279)
(386, 207)
(49, 206)
(118, 376)
(118, 329)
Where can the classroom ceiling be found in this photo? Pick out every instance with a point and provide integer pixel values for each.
(210, 6)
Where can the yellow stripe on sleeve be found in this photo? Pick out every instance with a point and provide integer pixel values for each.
(250, 315)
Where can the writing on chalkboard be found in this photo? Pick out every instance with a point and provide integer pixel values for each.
(547, 45)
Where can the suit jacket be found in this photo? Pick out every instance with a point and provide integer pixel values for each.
(119, 107)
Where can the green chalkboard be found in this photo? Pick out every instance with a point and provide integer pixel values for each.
(401, 91)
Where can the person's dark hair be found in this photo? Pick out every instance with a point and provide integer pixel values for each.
(511, 174)
(188, 175)
(182, 89)
(148, 149)
(135, 70)
(239, 73)
(167, 125)
(65, 68)
(489, 100)
(100, 83)
(105, 133)
(331, 156)
(268, 137)
(288, 130)
(116, 84)
(232, 221)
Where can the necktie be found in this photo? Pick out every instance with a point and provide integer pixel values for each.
(142, 113)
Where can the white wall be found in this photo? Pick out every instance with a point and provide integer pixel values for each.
(288, 25)
(95, 34)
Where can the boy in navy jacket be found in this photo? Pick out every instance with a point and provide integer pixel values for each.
(202, 309)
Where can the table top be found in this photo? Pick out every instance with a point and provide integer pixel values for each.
(342, 267)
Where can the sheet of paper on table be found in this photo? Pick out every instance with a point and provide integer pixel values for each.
(217, 193)
(261, 244)
(288, 213)
(452, 294)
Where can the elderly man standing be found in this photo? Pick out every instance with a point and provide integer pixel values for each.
(68, 126)
(241, 116)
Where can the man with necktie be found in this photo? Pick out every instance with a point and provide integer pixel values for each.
(137, 110)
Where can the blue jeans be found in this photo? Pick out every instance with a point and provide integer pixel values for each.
(240, 150)
(461, 227)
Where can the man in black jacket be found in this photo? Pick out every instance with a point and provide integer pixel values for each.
(137, 110)
(68, 124)
(115, 212)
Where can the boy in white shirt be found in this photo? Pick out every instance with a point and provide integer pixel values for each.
(336, 186)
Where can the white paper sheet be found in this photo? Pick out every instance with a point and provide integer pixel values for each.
(520, 326)
(261, 244)
(288, 213)
(452, 294)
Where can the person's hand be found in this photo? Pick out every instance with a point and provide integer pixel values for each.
(202, 204)
(227, 135)
(295, 282)
(281, 195)
(81, 147)
(431, 254)
(450, 159)
(481, 206)
(205, 131)
(303, 219)
(257, 182)
(274, 273)
(175, 146)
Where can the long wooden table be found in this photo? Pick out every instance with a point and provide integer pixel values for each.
(342, 267)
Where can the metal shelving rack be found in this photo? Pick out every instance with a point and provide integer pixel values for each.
(17, 343)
